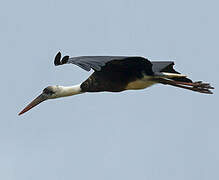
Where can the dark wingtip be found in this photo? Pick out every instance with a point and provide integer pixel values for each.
(64, 59)
(57, 60)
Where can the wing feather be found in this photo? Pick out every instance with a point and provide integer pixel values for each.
(159, 66)
(87, 62)
(97, 62)
(94, 62)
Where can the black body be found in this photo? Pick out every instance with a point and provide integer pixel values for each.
(114, 73)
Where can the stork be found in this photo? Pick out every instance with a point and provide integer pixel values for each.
(118, 73)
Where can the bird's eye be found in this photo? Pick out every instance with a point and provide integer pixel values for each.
(48, 91)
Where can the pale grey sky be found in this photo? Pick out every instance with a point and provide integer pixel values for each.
(157, 133)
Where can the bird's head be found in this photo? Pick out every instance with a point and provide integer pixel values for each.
(50, 92)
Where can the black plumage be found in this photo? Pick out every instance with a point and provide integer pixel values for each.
(115, 73)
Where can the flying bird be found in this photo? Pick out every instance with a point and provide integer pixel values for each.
(119, 73)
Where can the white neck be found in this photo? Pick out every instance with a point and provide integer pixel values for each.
(69, 90)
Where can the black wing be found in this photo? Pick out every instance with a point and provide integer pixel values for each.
(163, 66)
(87, 62)
(96, 62)
(167, 66)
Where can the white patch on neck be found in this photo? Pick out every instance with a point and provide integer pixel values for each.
(70, 90)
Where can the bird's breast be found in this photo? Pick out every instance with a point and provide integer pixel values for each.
(140, 84)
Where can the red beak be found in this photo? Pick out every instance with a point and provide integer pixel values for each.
(35, 102)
